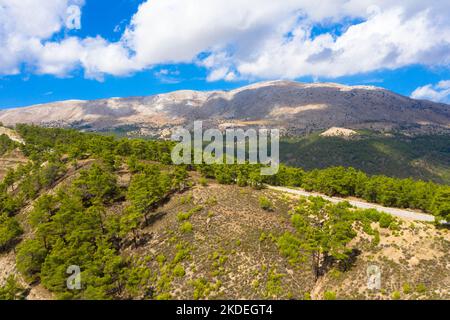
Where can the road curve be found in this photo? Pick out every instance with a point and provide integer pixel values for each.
(405, 214)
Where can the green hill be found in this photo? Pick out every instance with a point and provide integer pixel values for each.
(419, 157)
(139, 227)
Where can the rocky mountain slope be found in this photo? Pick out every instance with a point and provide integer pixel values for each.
(295, 108)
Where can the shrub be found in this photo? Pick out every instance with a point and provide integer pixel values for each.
(203, 182)
(202, 289)
(179, 271)
(406, 288)
(265, 204)
(329, 295)
(186, 227)
(289, 247)
(182, 253)
(273, 285)
(263, 237)
(186, 199)
(164, 296)
(161, 259)
(386, 220)
(372, 214)
(396, 295)
(335, 273)
(12, 290)
(421, 288)
(183, 216)
(211, 201)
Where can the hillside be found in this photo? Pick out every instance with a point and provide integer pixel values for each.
(425, 157)
(11, 134)
(141, 228)
(232, 253)
(10, 155)
(294, 108)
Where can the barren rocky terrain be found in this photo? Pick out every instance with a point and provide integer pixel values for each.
(11, 160)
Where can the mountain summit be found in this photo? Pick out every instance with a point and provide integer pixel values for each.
(295, 108)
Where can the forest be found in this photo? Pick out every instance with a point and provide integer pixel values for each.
(54, 145)
(73, 226)
(425, 157)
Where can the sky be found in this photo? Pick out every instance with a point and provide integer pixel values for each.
(55, 50)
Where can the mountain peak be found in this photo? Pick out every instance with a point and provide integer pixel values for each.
(293, 107)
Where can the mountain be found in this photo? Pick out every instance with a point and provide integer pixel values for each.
(295, 108)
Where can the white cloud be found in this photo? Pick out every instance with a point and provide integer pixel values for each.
(232, 39)
(99, 57)
(57, 58)
(438, 93)
(218, 74)
(26, 24)
(444, 84)
(167, 76)
(250, 36)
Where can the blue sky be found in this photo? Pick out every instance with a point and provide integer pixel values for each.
(119, 48)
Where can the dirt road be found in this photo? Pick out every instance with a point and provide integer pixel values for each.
(401, 213)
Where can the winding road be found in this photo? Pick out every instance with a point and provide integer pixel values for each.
(401, 213)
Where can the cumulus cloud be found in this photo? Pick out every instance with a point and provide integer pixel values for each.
(26, 24)
(57, 58)
(439, 92)
(386, 40)
(234, 39)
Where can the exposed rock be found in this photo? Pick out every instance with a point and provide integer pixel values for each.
(290, 106)
(339, 132)
(11, 134)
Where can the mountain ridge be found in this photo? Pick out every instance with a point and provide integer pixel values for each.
(293, 107)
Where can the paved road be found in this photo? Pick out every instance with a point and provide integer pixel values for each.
(405, 214)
